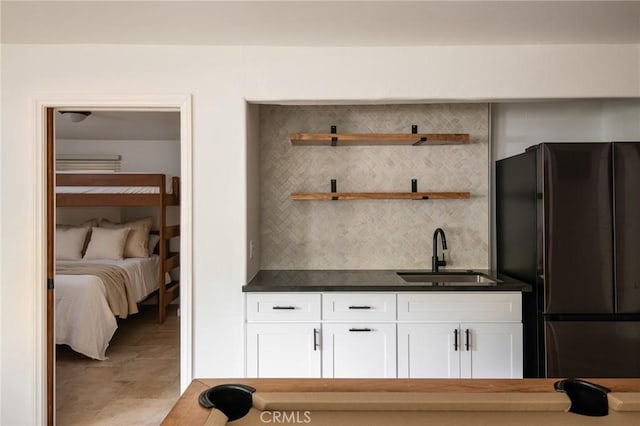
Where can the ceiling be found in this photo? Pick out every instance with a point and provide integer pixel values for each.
(121, 125)
(300, 23)
(327, 23)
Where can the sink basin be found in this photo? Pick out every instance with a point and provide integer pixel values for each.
(448, 278)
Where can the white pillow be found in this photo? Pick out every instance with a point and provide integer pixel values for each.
(138, 238)
(70, 242)
(86, 224)
(106, 243)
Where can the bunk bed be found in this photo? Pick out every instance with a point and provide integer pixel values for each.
(130, 190)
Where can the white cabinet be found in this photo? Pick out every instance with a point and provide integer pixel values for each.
(359, 335)
(384, 335)
(467, 350)
(491, 350)
(283, 307)
(359, 350)
(283, 350)
(359, 307)
(427, 351)
(460, 307)
(460, 335)
(283, 335)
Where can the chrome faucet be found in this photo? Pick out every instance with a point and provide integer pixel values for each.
(435, 262)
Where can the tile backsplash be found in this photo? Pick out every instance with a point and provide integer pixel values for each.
(372, 234)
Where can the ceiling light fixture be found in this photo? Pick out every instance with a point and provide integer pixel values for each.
(74, 116)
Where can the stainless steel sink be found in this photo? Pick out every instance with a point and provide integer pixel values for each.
(448, 278)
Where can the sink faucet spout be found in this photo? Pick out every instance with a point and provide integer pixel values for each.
(435, 262)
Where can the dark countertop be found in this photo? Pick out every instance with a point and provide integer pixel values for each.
(300, 280)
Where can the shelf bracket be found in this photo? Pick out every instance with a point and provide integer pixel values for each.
(414, 130)
(334, 139)
(333, 188)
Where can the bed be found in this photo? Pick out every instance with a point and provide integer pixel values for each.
(130, 190)
(88, 300)
(84, 319)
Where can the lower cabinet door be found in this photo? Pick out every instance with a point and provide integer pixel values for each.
(429, 351)
(283, 350)
(359, 350)
(491, 350)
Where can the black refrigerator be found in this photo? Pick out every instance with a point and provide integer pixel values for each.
(568, 223)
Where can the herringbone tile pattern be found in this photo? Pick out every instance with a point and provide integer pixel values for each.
(372, 234)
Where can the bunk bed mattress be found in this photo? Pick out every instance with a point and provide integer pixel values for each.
(107, 190)
(84, 320)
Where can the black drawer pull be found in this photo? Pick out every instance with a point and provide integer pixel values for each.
(467, 342)
(455, 339)
(283, 308)
(360, 329)
(359, 307)
(316, 332)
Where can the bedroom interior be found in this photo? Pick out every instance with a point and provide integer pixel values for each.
(117, 262)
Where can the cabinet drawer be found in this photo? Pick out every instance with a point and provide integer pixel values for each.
(359, 306)
(283, 307)
(480, 307)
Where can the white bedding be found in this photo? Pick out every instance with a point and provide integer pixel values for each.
(107, 190)
(83, 318)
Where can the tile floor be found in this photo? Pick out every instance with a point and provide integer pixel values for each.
(137, 385)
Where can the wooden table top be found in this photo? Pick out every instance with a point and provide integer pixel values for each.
(188, 410)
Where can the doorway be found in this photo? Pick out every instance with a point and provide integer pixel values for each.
(127, 326)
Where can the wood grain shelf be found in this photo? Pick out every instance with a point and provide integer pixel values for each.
(355, 139)
(323, 196)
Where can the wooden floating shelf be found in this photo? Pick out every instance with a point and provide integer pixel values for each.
(351, 139)
(321, 196)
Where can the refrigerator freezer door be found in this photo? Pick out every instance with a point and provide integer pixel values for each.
(593, 348)
(578, 255)
(626, 175)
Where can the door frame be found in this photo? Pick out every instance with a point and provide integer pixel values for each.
(179, 103)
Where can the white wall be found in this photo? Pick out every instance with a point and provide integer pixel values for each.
(221, 79)
(1, 238)
(516, 126)
(219, 170)
(253, 191)
(147, 156)
(442, 72)
(621, 120)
